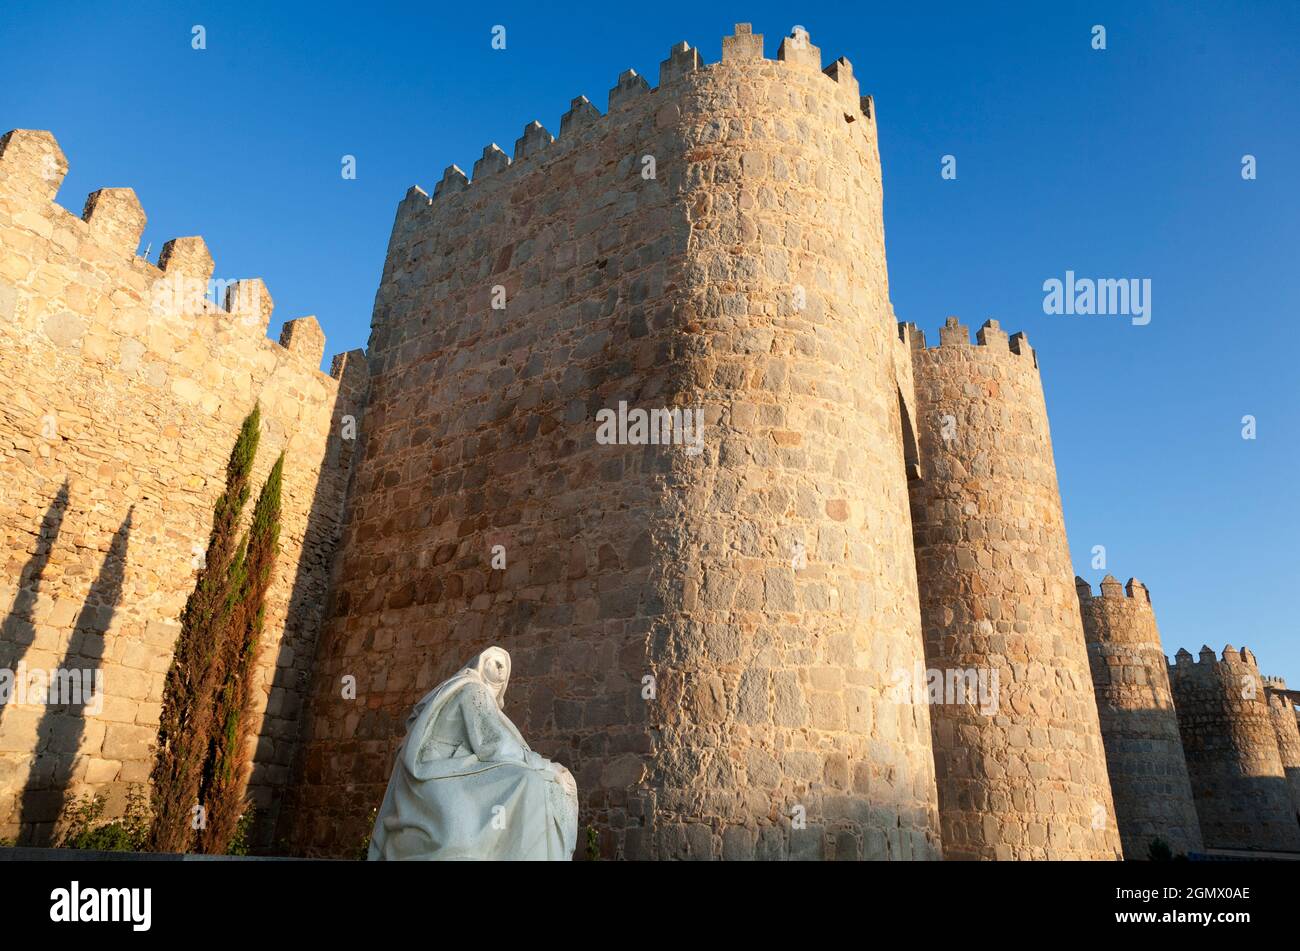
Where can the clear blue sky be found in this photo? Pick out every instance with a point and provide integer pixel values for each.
(1122, 163)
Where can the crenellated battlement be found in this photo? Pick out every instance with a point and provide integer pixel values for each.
(1110, 588)
(179, 285)
(631, 92)
(1207, 659)
(954, 335)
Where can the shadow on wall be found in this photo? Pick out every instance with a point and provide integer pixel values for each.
(1252, 815)
(63, 724)
(275, 764)
(1149, 780)
(18, 632)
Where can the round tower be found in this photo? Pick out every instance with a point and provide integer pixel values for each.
(703, 612)
(1281, 706)
(1023, 775)
(1231, 746)
(790, 542)
(1139, 727)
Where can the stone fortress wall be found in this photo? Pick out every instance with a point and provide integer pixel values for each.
(1229, 739)
(704, 639)
(121, 393)
(1144, 752)
(726, 633)
(1024, 777)
(1286, 726)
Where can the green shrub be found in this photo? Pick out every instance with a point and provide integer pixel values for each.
(363, 850)
(1159, 851)
(83, 828)
(240, 842)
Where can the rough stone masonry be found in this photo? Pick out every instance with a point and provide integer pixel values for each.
(721, 636)
(1144, 752)
(122, 389)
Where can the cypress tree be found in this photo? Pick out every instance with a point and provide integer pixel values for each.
(226, 772)
(194, 674)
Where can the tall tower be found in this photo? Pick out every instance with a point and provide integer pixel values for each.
(1281, 707)
(1230, 742)
(1139, 728)
(702, 633)
(1026, 778)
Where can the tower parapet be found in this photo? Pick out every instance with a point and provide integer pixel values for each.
(1233, 760)
(997, 596)
(1139, 726)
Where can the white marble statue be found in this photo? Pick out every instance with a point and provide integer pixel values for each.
(466, 785)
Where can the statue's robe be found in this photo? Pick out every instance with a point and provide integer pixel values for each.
(466, 786)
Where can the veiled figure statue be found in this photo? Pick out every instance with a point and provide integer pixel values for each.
(466, 785)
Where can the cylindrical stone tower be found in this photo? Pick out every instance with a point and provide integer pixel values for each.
(791, 546)
(1144, 752)
(703, 623)
(1230, 742)
(1023, 775)
(1281, 706)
